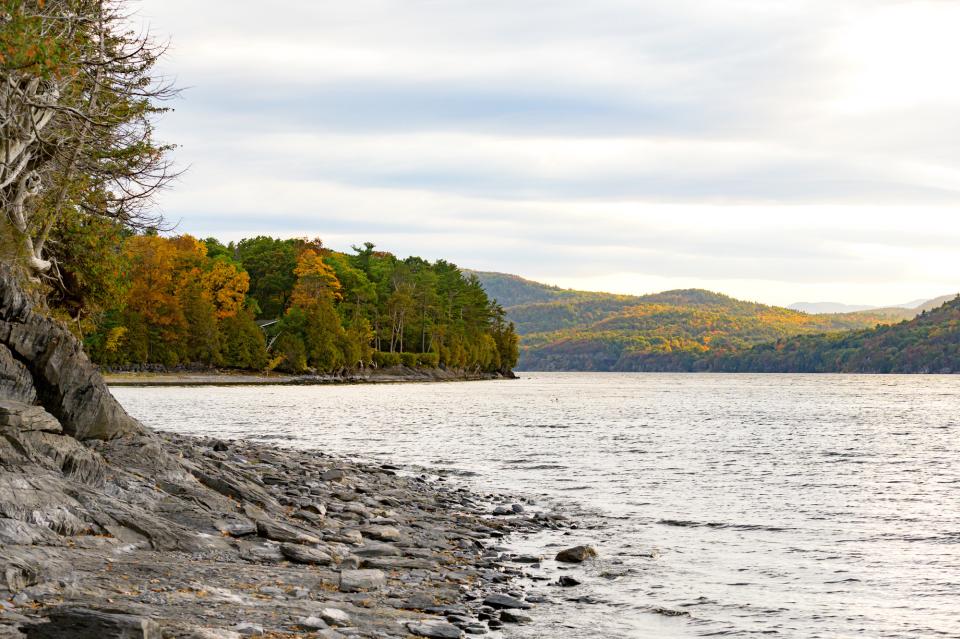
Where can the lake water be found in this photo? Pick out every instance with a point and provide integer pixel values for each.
(785, 505)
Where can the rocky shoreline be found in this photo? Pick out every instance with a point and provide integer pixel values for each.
(392, 375)
(110, 530)
(161, 535)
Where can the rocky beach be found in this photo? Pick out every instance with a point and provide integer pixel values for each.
(108, 529)
(169, 536)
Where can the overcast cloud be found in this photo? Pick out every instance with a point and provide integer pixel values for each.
(775, 151)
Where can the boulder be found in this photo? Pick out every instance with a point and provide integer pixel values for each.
(64, 380)
(577, 554)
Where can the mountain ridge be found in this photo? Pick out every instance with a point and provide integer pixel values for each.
(566, 329)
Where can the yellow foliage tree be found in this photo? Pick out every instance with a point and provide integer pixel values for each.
(226, 287)
(316, 281)
(153, 291)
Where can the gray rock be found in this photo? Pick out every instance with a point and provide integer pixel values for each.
(282, 532)
(248, 629)
(305, 555)
(374, 549)
(504, 602)
(434, 629)
(13, 531)
(65, 381)
(20, 416)
(512, 617)
(16, 383)
(260, 553)
(237, 527)
(211, 633)
(361, 580)
(316, 508)
(346, 537)
(84, 623)
(381, 533)
(314, 623)
(335, 617)
(334, 474)
(577, 554)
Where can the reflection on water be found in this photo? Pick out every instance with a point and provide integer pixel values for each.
(795, 505)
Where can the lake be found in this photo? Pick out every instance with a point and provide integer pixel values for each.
(722, 505)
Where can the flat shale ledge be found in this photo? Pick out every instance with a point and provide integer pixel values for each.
(165, 536)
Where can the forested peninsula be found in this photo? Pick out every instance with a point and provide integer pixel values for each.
(290, 305)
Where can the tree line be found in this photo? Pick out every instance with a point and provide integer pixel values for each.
(289, 304)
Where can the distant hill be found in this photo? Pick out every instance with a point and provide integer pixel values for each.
(928, 343)
(904, 311)
(816, 308)
(564, 329)
(534, 307)
(511, 290)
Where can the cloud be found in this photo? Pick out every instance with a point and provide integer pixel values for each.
(730, 142)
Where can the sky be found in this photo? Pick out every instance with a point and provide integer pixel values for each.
(776, 151)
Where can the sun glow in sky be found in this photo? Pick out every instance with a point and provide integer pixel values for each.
(774, 151)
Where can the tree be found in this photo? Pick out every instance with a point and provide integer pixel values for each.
(226, 287)
(316, 281)
(78, 97)
(269, 264)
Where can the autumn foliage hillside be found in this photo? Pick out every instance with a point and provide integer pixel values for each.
(563, 329)
(929, 343)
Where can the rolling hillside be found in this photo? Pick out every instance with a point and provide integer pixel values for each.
(563, 329)
(929, 343)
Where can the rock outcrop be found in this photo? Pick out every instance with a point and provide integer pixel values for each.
(42, 362)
